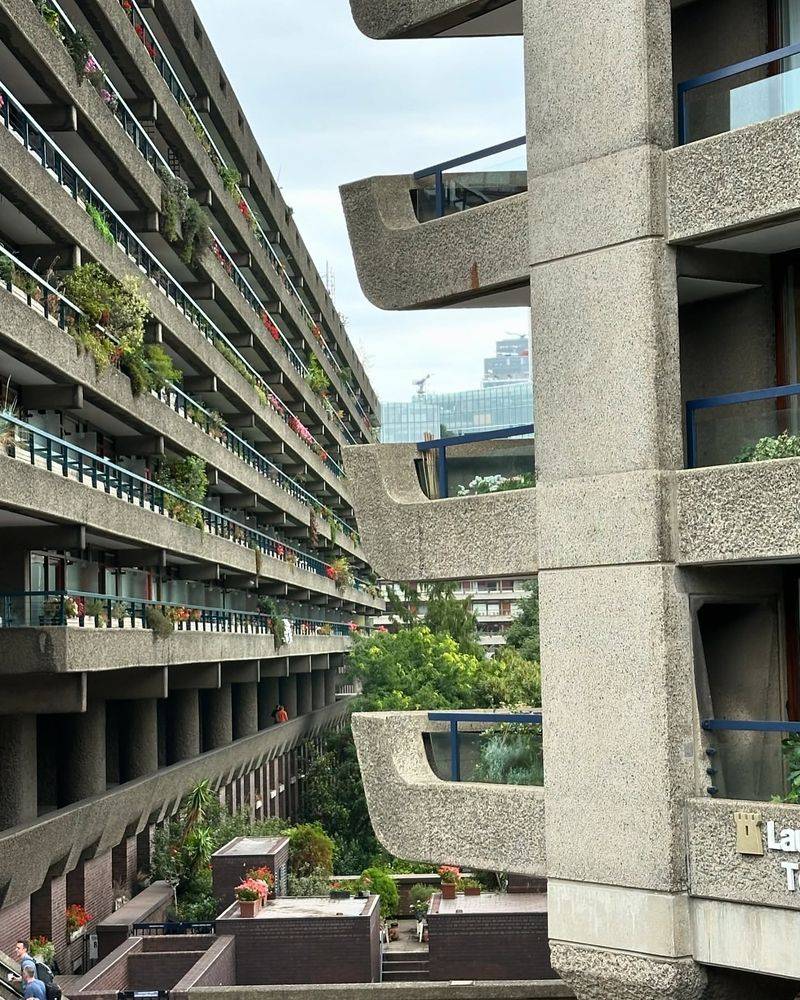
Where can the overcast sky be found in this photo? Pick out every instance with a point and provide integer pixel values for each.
(328, 106)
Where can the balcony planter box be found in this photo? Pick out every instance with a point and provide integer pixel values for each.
(339, 894)
(448, 890)
(249, 907)
(74, 935)
(472, 890)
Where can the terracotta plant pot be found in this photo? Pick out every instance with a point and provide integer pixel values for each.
(249, 907)
(448, 890)
(472, 890)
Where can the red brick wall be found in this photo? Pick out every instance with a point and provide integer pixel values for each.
(48, 916)
(15, 925)
(217, 968)
(489, 946)
(98, 889)
(229, 869)
(160, 970)
(123, 865)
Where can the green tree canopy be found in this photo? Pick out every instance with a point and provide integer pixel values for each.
(524, 632)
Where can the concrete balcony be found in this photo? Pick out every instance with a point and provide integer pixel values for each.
(739, 513)
(407, 536)
(417, 815)
(437, 18)
(478, 256)
(752, 897)
(28, 853)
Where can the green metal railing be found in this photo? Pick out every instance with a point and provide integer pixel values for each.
(58, 308)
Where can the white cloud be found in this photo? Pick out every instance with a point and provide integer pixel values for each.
(329, 106)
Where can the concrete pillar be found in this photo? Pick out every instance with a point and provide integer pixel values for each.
(331, 677)
(288, 694)
(318, 688)
(138, 745)
(83, 754)
(608, 425)
(305, 700)
(183, 725)
(268, 697)
(18, 770)
(217, 718)
(245, 709)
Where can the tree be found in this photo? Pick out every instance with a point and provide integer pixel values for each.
(445, 615)
(509, 680)
(524, 632)
(380, 882)
(310, 850)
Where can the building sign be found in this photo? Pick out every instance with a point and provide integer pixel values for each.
(751, 833)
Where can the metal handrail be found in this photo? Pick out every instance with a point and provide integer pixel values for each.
(734, 69)
(728, 399)
(442, 444)
(455, 717)
(750, 725)
(144, 144)
(232, 441)
(437, 170)
(144, 492)
(76, 184)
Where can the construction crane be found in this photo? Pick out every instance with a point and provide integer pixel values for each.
(420, 384)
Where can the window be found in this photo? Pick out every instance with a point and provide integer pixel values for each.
(222, 84)
(198, 32)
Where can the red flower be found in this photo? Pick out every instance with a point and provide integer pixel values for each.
(244, 208)
(330, 572)
(274, 332)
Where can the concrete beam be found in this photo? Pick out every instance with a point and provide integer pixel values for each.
(144, 108)
(319, 661)
(240, 581)
(194, 571)
(201, 291)
(64, 256)
(203, 196)
(242, 258)
(140, 444)
(299, 664)
(139, 682)
(241, 672)
(51, 397)
(69, 537)
(207, 676)
(142, 558)
(200, 383)
(55, 117)
(143, 222)
(276, 667)
(242, 340)
(153, 332)
(44, 693)
(241, 421)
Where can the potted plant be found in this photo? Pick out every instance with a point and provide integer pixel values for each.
(96, 610)
(248, 896)
(339, 891)
(77, 919)
(263, 875)
(450, 876)
(51, 610)
(74, 609)
(470, 887)
(119, 611)
(42, 948)
(420, 896)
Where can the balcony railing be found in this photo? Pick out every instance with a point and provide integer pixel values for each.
(178, 91)
(84, 609)
(40, 448)
(37, 142)
(724, 429)
(44, 298)
(771, 88)
(149, 150)
(737, 754)
(436, 481)
(457, 739)
(494, 174)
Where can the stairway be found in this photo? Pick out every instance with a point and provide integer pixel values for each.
(405, 966)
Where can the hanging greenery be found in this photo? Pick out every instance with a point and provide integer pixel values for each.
(231, 178)
(316, 376)
(269, 606)
(188, 478)
(100, 223)
(184, 224)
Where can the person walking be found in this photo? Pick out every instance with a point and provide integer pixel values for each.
(32, 987)
(281, 715)
(24, 957)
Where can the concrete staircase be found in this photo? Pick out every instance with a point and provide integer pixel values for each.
(405, 966)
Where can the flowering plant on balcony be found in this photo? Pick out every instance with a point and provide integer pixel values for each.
(354, 627)
(251, 890)
(271, 328)
(262, 874)
(449, 874)
(77, 917)
(280, 550)
(219, 253)
(43, 949)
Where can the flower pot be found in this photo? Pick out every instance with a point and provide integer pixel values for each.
(249, 907)
(448, 890)
(339, 894)
(74, 935)
(472, 890)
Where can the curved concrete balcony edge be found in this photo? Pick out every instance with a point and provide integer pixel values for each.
(416, 815)
(406, 536)
(429, 18)
(404, 264)
(28, 853)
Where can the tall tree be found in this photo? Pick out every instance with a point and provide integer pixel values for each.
(524, 632)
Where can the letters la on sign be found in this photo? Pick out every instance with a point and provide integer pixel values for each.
(749, 841)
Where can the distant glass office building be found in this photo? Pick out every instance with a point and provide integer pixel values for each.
(511, 361)
(439, 414)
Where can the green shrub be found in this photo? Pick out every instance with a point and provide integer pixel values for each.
(316, 376)
(316, 883)
(310, 850)
(231, 179)
(511, 755)
(785, 445)
(100, 223)
(188, 478)
(159, 623)
(269, 606)
(419, 896)
(378, 880)
(791, 756)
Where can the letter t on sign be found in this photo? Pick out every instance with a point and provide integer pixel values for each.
(790, 867)
(748, 833)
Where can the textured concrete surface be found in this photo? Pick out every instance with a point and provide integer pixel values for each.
(717, 871)
(739, 512)
(606, 322)
(498, 990)
(416, 815)
(444, 261)
(98, 824)
(408, 537)
(743, 177)
(595, 974)
(617, 691)
(415, 18)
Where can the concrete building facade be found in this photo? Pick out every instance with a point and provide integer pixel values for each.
(657, 250)
(180, 551)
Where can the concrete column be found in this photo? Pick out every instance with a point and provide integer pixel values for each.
(18, 770)
(268, 697)
(217, 718)
(288, 694)
(318, 688)
(305, 700)
(608, 425)
(83, 754)
(245, 709)
(183, 725)
(331, 677)
(138, 745)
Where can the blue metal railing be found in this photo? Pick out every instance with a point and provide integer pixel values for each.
(729, 399)
(440, 445)
(36, 141)
(723, 74)
(58, 455)
(57, 307)
(493, 718)
(750, 725)
(437, 170)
